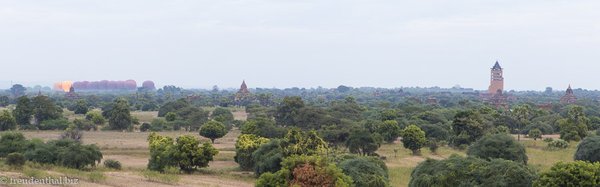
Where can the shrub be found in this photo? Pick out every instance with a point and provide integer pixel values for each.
(185, 153)
(366, 171)
(548, 140)
(12, 142)
(113, 164)
(15, 159)
(268, 157)
(302, 170)
(73, 134)
(213, 130)
(498, 146)
(145, 127)
(65, 152)
(589, 149)
(55, 124)
(245, 145)
(171, 116)
(95, 117)
(578, 173)
(471, 171)
(84, 124)
(158, 125)
(7, 121)
(558, 144)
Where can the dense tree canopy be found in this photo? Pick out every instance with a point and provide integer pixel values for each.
(498, 146)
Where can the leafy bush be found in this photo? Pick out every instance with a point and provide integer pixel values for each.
(158, 125)
(185, 153)
(558, 144)
(65, 152)
(548, 140)
(7, 121)
(470, 171)
(245, 145)
(15, 159)
(113, 164)
(55, 124)
(268, 157)
(145, 127)
(12, 142)
(589, 149)
(498, 146)
(302, 170)
(73, 134)
(366, 171)
(578, 173)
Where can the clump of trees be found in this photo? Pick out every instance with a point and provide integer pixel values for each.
(303, 170)
(471, 171)
(64, 152)
(245, 145)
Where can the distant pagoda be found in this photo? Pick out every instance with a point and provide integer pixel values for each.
(71, 94)
(242, 94)
(569, 97)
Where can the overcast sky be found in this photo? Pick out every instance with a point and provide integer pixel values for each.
(302, 43)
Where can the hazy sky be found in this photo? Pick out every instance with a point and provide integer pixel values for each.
(302, 43)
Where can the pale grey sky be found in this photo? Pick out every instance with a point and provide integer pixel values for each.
(302, 43)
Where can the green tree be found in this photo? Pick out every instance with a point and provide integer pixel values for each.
(362, 142)
(222, 115)
(81, 107)
(498, 146)
(17, 90)
(120, 116)
(467, 126)
(4, 101)
(535, 134)
(413, 138)
(298, 142)
(366, 171)
(15, 159)
(245, 145)
(213, 130)
(171, 116)
(268, 157)
(95, 117)
(186, 153)
(390, 130)
(7, 121)
(523, 114)
(578, 173)
(471, 171)
(23, 111)
(589, 149)
(189, 155)
(574, 126)
(263, 127)
(287, 111)
(45, 109)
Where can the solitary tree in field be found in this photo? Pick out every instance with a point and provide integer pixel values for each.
(213, 130)
(120, 116)
(413, 138)
(535, 134)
